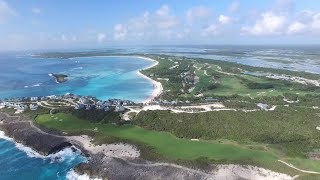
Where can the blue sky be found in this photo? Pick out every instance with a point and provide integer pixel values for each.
(56, 24)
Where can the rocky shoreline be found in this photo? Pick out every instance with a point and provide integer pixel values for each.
(106, 165)
(22, 130)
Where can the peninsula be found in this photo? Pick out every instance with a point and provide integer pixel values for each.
(212, 119)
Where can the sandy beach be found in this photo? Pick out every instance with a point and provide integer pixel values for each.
(157, 86)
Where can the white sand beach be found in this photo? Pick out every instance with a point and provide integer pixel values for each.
(156, 85)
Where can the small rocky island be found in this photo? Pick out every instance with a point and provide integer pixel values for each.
(60, 78)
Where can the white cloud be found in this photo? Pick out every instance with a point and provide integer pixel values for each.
(306, 22)
(74, 38)
(101, 37)
(268, 24)
(36, 10)
(224, 19)
(120, 32)
(140, 23)
(211, 30)
(234, 6)
(198, 13)
(163, 10)
(164, 20)
(159, 24)
(64, 37)
(315, 24)
(296, 28)
(5, 11)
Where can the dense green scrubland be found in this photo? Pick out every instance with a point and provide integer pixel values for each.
(220, 79)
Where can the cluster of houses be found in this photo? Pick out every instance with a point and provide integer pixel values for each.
(180, 102)
(189, 78)
(89, 103)
(76, 101)
(16, 105)
(21, 103)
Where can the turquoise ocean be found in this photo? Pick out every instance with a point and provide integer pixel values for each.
(26, 76)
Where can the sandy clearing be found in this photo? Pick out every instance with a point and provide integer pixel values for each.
(119, 150)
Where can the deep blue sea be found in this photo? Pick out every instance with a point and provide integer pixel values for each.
(25, 76)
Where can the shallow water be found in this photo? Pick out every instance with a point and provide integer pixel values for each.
(24, 76)
(297, 58)
(102, 77)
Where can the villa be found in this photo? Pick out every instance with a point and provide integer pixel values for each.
(34, 99)
(83, 100)
(119, 108)
(263, 106)
(75, 101)
(79, 106)
(21, 107)
(33, 107)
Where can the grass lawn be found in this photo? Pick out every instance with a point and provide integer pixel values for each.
(165, 143)
(175, 148)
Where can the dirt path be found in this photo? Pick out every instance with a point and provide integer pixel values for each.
(301, 170)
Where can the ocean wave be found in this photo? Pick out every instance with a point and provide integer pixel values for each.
(31, 153)
(34, 85)
(67, 154)
(71, 175)
(76, 68)
(3, 136)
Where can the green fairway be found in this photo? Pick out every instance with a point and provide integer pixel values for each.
(165, 143)
(175, 148)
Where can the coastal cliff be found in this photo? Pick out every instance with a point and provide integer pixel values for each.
(104, 162)
(23, 131)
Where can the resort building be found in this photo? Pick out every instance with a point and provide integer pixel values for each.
(33, 107)
(34, 99)
(119, 108)
(83, 100)
(263, 106)
(79, 106)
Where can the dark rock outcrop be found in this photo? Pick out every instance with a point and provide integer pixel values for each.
(23, 131)
(120, 169)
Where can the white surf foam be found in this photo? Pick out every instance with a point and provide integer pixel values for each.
(36, 85)
(33, 85)
(65, 154)
(77, 68)
(71, 175)
(31, 153)
(3, 136)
